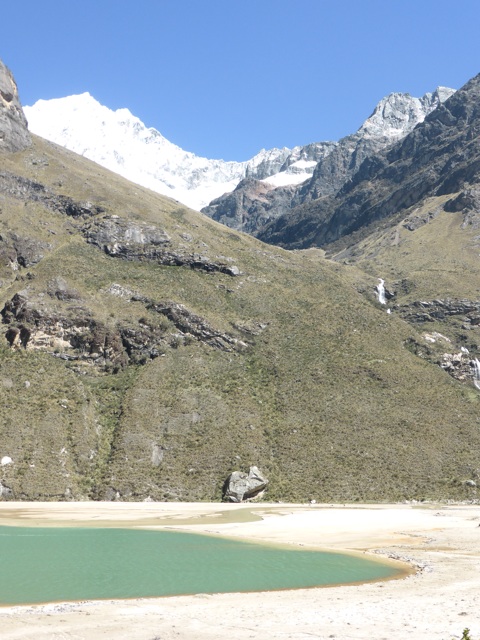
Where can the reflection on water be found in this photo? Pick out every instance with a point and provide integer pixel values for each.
(54, 564)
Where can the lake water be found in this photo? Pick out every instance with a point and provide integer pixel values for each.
(59, 564)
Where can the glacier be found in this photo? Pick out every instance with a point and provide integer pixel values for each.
(121, 142)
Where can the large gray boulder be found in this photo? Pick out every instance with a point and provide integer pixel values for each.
(14, 135)
(241, 486)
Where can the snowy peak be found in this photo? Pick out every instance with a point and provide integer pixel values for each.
(82, 114)
(122, 143)
(398, 113)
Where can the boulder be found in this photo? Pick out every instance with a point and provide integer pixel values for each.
(14, 135)
(241, 486)
(5, 492)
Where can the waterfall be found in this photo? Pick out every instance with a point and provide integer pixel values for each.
(476, 372)
(381, 291)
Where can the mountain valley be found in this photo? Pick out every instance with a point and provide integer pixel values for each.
(148, 351)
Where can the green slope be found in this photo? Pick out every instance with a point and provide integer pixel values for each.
(290, 365)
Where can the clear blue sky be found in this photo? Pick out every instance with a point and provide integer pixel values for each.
(225, 78)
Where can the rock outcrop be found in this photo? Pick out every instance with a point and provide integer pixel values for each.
(14, 135)
(241, 486)
(251, 205)
(438, 310)
(452, 352)
(139, 242)
(468, 202)
(72, 332)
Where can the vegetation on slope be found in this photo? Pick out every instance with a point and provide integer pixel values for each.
(181, 372)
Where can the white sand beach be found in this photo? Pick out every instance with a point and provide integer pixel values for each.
(439, 600)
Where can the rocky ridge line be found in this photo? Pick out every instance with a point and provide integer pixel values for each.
(254, 203)
(439, 157)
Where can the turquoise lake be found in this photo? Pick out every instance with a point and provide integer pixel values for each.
(59, 564)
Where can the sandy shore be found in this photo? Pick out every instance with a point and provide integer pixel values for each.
(437, 602)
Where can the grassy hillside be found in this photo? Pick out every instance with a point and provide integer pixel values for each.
(149, 369)
(439, 256)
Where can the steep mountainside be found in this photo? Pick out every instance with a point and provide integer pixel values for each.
(440, 156)
(121, 142)
(148, 351)
(254, 204)
(412, 214)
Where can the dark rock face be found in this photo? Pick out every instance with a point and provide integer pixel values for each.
(393, 118)
(251, 205)
(440, 156)
(241, 486)
(30, 191)
(70, 333)
(468, 202)
(254, 204)
(189, 324)
(21, 251)
(438, 310)
(14, 135)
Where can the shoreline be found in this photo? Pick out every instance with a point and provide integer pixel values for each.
(439, 600)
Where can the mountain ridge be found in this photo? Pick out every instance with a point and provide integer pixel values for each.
(122, 143)
(392, 119)
(436, 158)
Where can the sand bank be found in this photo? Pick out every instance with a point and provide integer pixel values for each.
(437, 602)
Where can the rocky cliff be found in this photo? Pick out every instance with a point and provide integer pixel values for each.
(14, 135)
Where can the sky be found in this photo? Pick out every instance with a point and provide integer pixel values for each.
(226, 78)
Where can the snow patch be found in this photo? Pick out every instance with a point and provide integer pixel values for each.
(283, 179)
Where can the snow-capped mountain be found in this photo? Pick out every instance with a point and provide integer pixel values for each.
(254, 204)
(398, 113)
(394, 117)
(122, 143)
